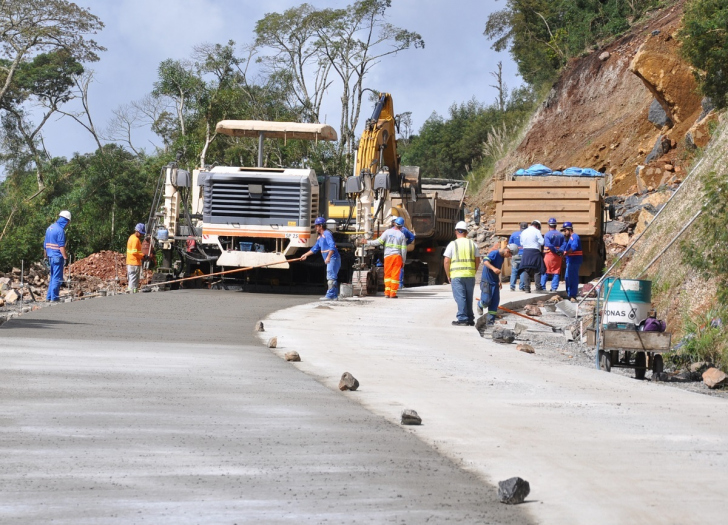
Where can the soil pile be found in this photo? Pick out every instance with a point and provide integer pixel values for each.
(106, 265)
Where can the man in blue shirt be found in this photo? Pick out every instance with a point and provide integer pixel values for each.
(410, 239)
(515, 238)
(574, 258)
(54, 245)
(553, 243)
(327, 246)
(490, 283)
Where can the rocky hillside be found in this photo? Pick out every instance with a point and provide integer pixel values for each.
(632, 111)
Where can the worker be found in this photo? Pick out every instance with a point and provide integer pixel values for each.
(553, 243)
(54, 246)
(574, 258)
(531, 261)
(490, 281)
(476, 216)
(515, 238)
(327, 246)
(395, 253)
(410, 238)
(134, 257)
(460, 256)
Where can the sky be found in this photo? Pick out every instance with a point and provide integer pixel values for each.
(454, 66)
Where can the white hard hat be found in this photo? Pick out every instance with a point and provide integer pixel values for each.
(513, 248)
(461, 226)
(65, 214)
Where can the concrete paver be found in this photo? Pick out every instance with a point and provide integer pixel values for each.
(165, 408)
(596, 447)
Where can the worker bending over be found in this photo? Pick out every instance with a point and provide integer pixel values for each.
(55, 250)
(531, 262)
(395, 253)
(327, 246)
(135, 257)
(553, 243)
(490, 282)
(574, 258)
(460, 256)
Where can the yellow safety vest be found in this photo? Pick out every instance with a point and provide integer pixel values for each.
(462, 263)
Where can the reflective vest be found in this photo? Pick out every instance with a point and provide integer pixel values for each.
(134, 254)
(463, 258)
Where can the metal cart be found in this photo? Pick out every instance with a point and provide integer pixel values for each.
(641, 351)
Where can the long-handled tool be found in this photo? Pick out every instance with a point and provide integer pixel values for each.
(553, 328)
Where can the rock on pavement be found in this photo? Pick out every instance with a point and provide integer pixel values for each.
(348, 382)
(292, 356)
(410, 417)
(715, 378)
(513, 491)
(503, 335)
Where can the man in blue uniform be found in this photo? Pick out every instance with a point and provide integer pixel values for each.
(490, 283)
(515, 238)
(399, 221)
(55, 250)
(327, 246)
(574, 258)
(553, 243)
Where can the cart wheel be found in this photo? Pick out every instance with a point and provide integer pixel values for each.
(658, 365)
(640, 363)
(605, 361)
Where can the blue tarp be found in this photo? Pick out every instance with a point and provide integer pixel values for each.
(539, 170)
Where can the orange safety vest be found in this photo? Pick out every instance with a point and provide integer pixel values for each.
(134, 253)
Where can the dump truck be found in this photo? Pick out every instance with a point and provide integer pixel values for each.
(579, 200)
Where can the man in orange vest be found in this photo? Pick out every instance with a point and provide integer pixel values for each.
(134, 257)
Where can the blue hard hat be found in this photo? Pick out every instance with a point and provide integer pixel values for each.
(567, 224)
(399, 221)
(552, 221)
(320, 220)
(140, 228)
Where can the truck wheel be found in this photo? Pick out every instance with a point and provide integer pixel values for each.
(605, 361)
(640, 362)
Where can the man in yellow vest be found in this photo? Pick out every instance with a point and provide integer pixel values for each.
(461, 257)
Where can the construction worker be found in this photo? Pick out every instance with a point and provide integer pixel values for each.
(327, 246)
(531, 261)
(134, 257)
(395, 253)
(54, 246)
(574, 258)
(490, 282)
(515, 238)
(410, 237)
(553, 242)
(460, 256)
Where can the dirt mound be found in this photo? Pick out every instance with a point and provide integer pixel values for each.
(106, 265)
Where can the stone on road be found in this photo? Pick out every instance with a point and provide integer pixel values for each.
(513, 490)
(165, 408)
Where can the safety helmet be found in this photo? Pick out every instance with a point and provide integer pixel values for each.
(513, 248)
(140, 228)
(535, 221)
(461, 226)
(552, 222)
(399, 221)
(65, 214)
(320, 220)
(566, 225)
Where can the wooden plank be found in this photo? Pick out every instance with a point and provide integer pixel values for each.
(634, 340)
(570, 206)
(498, 193)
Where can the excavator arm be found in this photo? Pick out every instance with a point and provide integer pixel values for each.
(378, 145)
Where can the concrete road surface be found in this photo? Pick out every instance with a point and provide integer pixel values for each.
(596, 447)
(165, 408)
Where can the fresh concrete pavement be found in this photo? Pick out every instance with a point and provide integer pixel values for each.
(596, 447)
(165, 408)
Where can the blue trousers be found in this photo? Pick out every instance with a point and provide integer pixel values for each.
(554, 281)
(514, 274)
(54, 287)
(489, 298)
(571, 278)
(463, 289)
(332, 275)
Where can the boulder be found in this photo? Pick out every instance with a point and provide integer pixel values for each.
(707, 105)
(292, 356)
(657, 115)
(698, 135)
(410, 417)
(513, 491)
(658, 150)
(518, 329)
(532, 310)
(715, 378)
(259, 327)
(523, 347)
(631, 214)
(12, 297)
(699, 367)
(348, 382)
(656, 200)
(273, 342)
(622, 239)
(503, 335)
(613, 227)
(604, 56)
(643, 221)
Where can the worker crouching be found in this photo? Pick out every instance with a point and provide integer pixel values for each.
(460, 256)
(327, 246)
(135, 257)
(490, 281)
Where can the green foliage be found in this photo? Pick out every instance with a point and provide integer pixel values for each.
(713, 235)
(542, 35)
(705, 46)
(705, 340)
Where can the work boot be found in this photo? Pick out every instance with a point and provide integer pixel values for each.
(460, 323)
(480, 309)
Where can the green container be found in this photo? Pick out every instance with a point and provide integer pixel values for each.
(626, 301)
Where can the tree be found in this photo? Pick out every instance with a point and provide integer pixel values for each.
(705, 46)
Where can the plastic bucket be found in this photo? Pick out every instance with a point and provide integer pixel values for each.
(162, 234)
(626, 301)
(346, 290)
